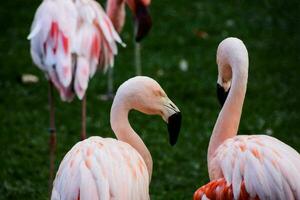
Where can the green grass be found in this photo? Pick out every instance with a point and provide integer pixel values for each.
(270, 30)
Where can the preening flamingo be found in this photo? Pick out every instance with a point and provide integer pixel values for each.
(106, 168)
(69, 39)
(245, 166)
(116, 11)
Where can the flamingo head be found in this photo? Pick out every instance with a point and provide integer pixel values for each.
(224, 81)
(143, 21)
(232, 60)
(145, 95)
(224, 78)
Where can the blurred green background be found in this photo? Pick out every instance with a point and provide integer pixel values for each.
(183, 31)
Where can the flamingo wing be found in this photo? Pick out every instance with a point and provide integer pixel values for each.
(101, 169)
(51, 37)
(62, 29)
(95, 41)
(250, 167)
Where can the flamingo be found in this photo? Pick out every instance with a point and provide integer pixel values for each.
(116, 11)
(107, 168)
(69, 39)
(245, 166)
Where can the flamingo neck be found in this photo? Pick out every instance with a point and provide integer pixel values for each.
(116, 12)
(229, 118)
(124, 132)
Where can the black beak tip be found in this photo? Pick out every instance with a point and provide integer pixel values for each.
(222, 94)
(143, 23)
(174, 125)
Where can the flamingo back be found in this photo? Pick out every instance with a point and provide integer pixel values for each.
(266, 167)
(101, 169)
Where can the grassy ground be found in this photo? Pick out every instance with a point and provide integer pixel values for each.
(270, 30)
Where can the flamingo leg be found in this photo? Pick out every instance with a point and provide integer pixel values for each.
(137, 58)
(110, 83)
(110, 86)
(83, 118)
(52, 139)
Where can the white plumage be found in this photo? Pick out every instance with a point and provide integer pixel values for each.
(68, 41)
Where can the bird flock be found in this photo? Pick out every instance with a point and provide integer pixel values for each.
(72, 39)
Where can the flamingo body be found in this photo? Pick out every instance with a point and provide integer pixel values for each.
(102, 168)
(68, 38)
(253, 166)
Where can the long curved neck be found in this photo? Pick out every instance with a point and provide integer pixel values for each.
(116, 12)
(124, 132)
(229, 118)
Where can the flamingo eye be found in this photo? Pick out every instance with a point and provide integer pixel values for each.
(158, 93)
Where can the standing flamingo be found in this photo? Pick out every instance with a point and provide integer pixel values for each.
(245, 166)
(106, 168)
(69, 39)
(116, 11)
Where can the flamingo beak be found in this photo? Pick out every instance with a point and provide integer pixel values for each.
(143, 21)
(174, 125)
(222, 94)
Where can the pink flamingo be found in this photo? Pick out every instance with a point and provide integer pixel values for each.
(116, 11)
(69, 39)
(106, 168)
(245, 166)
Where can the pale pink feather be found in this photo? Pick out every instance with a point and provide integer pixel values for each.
(269, 168)
(102, 168)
